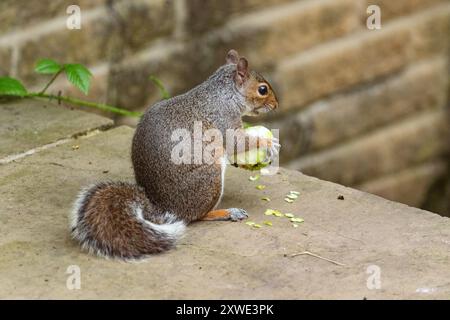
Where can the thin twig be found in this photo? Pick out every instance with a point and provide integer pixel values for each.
(317, 256)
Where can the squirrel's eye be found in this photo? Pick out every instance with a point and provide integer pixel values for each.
(262, 90)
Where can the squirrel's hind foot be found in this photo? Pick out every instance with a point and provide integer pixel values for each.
(233, 214)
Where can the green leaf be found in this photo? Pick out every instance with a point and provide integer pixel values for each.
(11, 87)
(158, 83)
(47, 66)
(79, 75)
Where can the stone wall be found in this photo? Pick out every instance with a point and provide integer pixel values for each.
(364, 108)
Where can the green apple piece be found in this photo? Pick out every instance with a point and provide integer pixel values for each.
(254, 159)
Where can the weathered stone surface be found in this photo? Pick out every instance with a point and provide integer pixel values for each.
(15, 14)
(232, 260)
(420, 87)
(219, 11)
(266, 37)
(370, 54)
(392, 9)
(27, 125)
(388, 150)
(144, 21)
(318, 72)
(410, 186)
(5, 61)
(102, 34)
(87, 45)
(260, 36)
(431, 33)
(166, 61)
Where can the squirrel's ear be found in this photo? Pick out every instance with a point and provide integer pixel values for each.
(232, 57)
(241, 71)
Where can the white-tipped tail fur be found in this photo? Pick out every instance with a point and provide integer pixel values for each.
(116, 220)
(171, 227)
(81, 197)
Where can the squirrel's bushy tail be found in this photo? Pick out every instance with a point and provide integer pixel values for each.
(112, 219)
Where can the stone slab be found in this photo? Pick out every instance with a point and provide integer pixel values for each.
(217, 260)
(25, 125)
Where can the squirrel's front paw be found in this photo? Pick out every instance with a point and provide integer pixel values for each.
(273, 150)
(237, 214)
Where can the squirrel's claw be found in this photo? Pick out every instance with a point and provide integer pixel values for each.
(237, 214)
(273, 150)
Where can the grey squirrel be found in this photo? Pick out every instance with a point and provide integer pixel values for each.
(127, 221)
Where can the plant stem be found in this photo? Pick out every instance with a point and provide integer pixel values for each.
(164, 93)
(80, 102)
(51, 81)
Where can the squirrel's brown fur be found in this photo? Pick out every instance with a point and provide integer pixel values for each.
(128, 221)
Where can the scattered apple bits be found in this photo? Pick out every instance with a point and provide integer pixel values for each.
(291, 196)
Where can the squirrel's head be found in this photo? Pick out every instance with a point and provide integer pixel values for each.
(259, 95)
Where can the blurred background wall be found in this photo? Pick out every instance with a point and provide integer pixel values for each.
(364, 108)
